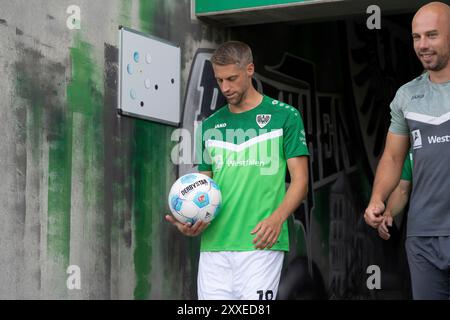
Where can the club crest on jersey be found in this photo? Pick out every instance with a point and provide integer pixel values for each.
(263, 119)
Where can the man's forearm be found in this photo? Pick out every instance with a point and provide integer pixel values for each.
(294, 196)
(387, 177)
(399, 198)
(390, 167)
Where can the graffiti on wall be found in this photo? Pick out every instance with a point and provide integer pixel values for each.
(378, 67)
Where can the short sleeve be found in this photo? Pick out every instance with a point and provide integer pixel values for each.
(294, 140)
(398, 121)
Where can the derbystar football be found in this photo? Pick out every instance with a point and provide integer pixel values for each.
(193, 197)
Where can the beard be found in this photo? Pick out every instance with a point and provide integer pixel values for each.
(439, 62)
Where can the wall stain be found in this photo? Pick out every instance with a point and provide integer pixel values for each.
(150, 165)
(85, 99)
(115, 170)
(37, 81)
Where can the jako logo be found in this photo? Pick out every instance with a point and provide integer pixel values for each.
(220, 125)
(417, 139)
(417, 96)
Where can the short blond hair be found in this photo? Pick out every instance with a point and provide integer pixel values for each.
(233, 52)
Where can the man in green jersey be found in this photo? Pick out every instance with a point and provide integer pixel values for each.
(398, 199)
(246, 147)
(420, 118)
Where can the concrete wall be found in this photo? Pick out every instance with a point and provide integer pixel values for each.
(81, 185)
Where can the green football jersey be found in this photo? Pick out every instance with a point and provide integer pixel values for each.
(407, 167)
(247, 154)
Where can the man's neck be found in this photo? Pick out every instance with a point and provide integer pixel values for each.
(440, 76)
(249, 102)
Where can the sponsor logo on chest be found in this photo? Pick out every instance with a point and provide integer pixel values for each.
(434, 139)
(437, 139)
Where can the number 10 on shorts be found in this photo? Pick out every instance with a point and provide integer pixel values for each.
(265, 295)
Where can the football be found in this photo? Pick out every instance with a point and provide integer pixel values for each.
(193, 197)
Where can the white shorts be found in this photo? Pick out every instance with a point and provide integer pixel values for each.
(239, 275)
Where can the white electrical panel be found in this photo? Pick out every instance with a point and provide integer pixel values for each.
(149, 77)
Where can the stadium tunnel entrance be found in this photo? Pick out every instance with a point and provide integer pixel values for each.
(322, 58)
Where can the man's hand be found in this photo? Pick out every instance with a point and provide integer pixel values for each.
(383, 231)
(387, 177)
(373, 213)
(267, 232)
(186, 228)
